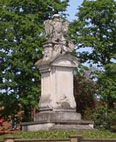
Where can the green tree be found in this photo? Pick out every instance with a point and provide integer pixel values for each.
(104, 117)
(84, 91)
(95, 29)
(107, 85)
(21, 39)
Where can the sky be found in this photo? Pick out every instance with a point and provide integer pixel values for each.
(72, 8)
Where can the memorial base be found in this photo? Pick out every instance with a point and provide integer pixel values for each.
(57, 121)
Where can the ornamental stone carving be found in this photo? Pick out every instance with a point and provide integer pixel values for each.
(56, 38)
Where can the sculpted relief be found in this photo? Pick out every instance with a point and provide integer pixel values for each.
(56, 38)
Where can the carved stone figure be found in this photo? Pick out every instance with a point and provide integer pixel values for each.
(56, 36)
(56, 29)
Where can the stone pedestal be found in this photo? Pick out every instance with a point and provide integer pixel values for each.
(57, 84)
(57, 104)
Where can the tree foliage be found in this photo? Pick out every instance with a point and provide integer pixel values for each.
(95, 29)
(84, 91)
(104, 117)
(107, 85)
(21, 39)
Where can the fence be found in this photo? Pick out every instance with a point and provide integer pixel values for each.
(70, 139)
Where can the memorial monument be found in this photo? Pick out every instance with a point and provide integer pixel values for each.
(57, 103)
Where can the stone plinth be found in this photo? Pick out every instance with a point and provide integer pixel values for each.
(57, 104)
(56, 125)
(57, 83)
(57, 116)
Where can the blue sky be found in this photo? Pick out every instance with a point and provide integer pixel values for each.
(72, 9)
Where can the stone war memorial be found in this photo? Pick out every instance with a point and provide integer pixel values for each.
(57, 103)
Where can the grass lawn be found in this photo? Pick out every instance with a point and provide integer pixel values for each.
(63, 134)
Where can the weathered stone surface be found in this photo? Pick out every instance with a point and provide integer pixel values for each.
(57, 42)
(57, 83)
(72, 125)
(73, 61)
(57, 116)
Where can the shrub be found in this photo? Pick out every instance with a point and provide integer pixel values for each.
(104, 117)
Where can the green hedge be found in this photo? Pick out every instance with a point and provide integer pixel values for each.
(64, 134)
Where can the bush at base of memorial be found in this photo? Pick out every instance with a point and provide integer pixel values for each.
(104, 118)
